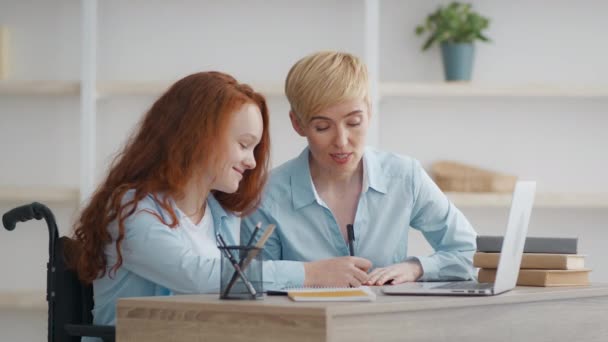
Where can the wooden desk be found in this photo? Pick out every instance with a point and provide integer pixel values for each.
(524, 314)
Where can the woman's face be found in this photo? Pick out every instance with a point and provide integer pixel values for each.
(336, 136)
(244, 134)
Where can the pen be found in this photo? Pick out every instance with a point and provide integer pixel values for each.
(254, 233)
(235, 264)
(249, 243)
(276, 293)
(251, 255)
(350, 232)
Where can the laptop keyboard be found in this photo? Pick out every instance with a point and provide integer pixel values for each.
(465, 285)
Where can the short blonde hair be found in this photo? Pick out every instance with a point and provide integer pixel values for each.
(323, 79)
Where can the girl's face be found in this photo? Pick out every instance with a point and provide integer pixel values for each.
(244, 134)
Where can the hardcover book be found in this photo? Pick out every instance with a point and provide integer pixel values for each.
(542, 277)
(534, 261)
(552, 245)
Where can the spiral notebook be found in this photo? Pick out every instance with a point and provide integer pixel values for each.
(337, 294)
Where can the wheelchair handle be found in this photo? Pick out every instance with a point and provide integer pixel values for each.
(36, 211)
(23, 213)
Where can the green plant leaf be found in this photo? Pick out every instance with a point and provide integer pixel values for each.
(482, 37)
(457, 22)
(429, 42)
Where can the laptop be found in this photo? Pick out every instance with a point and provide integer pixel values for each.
(508, 264)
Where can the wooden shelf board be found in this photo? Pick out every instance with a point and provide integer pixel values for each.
(387, 89)
(542, 200)
(452, 89)
(156, 88)
(460, 199)
(23, 300)
(114, 88)
(38, 193)
(467, 89)
(15, 87)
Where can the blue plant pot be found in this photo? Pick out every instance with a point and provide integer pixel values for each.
(457, 61)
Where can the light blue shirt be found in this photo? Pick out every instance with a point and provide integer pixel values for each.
(160, 261)
(397, 194)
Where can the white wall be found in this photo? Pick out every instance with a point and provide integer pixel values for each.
(558, 142)
(532, 41)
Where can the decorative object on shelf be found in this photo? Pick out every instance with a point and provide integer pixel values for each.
(455, 27)
(458, 177)
(3, 53)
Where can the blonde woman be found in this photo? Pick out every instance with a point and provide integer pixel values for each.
(336, 181)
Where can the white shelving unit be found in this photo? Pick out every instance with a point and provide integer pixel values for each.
(90, 90)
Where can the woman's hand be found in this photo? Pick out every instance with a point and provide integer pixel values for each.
(337, 272)
(399, 273)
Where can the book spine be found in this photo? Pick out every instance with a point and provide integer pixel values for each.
(493, 244)
(541, 277)
(486, 275)
(523, 279)
(533, 261)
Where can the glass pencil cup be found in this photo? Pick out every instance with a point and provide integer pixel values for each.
(241, 273)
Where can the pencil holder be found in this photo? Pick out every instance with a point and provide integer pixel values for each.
(241, 275)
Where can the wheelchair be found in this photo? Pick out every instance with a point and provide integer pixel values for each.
(69, 301)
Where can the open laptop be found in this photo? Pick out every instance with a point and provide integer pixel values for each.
(508, 265)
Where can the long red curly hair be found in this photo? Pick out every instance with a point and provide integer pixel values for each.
(178, 134)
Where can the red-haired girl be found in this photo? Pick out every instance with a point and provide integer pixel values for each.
(197, 162)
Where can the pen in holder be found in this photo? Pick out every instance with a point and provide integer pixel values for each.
(241, 272)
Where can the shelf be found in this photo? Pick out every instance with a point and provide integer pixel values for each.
(132, 88)
(405, 89)
(11, 87)
(459, 89)
(460, 199)
(156, 88)
(542, 200)
(466, 89)
(39, 194)
(23, 300)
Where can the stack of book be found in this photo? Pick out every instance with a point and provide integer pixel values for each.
(546, 261)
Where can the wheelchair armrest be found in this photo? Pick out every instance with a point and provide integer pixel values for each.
(105, 332)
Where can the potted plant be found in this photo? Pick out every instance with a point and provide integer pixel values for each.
(455, 27)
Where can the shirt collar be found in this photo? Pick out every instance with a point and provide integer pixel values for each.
(222, 220)
(303, 191)
(216, 208)
(373, 177)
